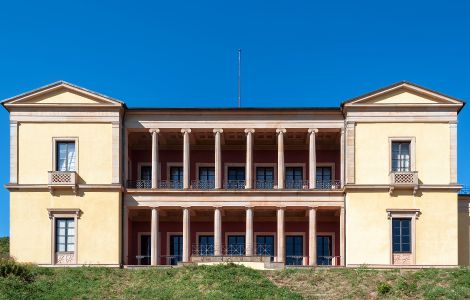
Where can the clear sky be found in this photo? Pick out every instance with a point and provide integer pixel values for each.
(177, 53)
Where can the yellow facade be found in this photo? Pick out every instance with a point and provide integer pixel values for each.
(368, 227)
(373, 151)
(464, 231)
(98, 228)
(94, 151)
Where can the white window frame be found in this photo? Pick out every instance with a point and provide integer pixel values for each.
(56, 140)
(58, 213)
(412, 141)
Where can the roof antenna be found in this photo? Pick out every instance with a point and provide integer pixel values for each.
(239, 74)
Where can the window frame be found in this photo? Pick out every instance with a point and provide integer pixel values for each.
(66, 236)
(58, 213)
(228, 165)
(170, 165)
(55, 141)
(398, 213)
(408, 139)
(400, 236)
(148, 164)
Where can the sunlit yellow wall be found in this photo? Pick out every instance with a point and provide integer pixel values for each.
(368, 238)
(35, 151)
(373, 151)
(464, 231)
(98, 227)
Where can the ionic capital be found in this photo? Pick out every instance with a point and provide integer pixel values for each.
(313, 130)
(249, 130)
(281, 130)
(218, 130)
(154, 130)
(185, 130)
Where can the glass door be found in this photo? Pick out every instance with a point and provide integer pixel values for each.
(206, 245)
(236, 245)
(324, 252)
(176, 249)
(265, 245)
(294, 249)
(145, 249)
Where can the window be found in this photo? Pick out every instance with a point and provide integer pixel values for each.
(65, 235)
(236, 173)
(264, 177)
(206, 173)
(324, 177)
(65, 156)
(236, 245)
(294, 177)
(401, 234)
(146, 173)
(176, 177)
(401, 156)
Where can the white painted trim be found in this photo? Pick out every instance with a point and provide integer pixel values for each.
(412, 141)
(71, 213)
(169, 165)
(55, 140)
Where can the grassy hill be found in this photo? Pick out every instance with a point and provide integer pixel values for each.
(19, 281)
(4, 246)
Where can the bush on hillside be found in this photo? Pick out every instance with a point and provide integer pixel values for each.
(8, 267)
(4, 246)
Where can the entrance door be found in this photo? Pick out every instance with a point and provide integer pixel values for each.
(145, 249)
(206, 245)
(324, 250)
(176, 249)
(236, 245)
(294, 249)
(265, 245)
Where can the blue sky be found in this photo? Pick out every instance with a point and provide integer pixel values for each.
(177, 53)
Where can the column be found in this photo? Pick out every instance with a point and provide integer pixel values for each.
(186, 132)
(249, 232)
(217, 231)
(154, 133)
(343, 144)
(186, 234)
(312, 158)
(154, 237)
(249, 158)
(280, 157)
(342, 235)
(281, 244)
(312, 236)
(218, 159)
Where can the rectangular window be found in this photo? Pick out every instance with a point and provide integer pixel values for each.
(324, 177)
(65, 235)
(146, 173)
(401, 232)
(401, 156)
(294, 177)
(206, 173)
(65, 156)
(236, 173)
(176, 177)
(264, 178)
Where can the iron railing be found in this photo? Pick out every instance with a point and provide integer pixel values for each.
(232, 250)
(139, 184)
(296, 184)
(328, 184)
(203, 184)
(264, 184)
(294, 260)
(235, 184)
(171, 184)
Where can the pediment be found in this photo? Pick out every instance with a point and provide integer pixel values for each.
(61, 94)
(404, 94)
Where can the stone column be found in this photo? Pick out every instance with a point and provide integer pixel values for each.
(154, 237)
(218, 159)
(312, 158)
(186, 161)
(249, 158)
(186, 234)
(342, 235)
(312, 236)
(280, 157)
(281, 244)
(249, 232)
(342, 151)
(217, 232)
(154, 133)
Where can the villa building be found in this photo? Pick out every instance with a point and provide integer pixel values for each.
(373, 181)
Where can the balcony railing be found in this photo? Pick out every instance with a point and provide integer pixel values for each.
(235, 184)
(232, 250)
(62, 179)
(203, 184)
(404, 180)
(465, 190)
(264, 184)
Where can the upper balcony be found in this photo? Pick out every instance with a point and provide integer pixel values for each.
(234, 159)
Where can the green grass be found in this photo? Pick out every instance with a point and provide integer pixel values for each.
(18, 281)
